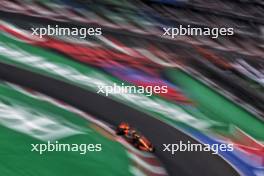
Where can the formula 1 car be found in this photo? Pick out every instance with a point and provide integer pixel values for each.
(134, 138)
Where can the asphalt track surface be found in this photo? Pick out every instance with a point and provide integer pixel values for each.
(112, 112)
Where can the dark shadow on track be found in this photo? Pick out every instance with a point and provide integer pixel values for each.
(181, 164)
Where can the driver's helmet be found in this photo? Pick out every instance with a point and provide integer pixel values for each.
(131, 133)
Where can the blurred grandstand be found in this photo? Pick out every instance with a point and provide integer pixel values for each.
(217, 80)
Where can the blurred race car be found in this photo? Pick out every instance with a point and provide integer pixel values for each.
(135, 138)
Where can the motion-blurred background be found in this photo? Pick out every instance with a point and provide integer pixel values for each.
(215, 85)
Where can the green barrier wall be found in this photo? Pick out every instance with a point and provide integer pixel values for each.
(216, 106)
(16, 157)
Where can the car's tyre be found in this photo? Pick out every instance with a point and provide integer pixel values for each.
(120, 131)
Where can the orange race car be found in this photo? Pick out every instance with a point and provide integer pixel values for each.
(133, 137)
